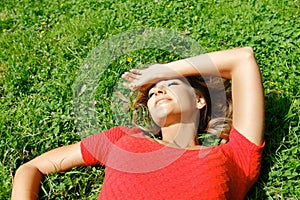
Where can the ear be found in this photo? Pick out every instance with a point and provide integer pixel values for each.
(200, 102)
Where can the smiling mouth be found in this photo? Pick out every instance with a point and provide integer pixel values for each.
(161, 101)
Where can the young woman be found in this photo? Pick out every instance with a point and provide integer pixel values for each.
(176, 166)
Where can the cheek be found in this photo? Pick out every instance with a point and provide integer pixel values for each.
(186, 97)
(150, 104)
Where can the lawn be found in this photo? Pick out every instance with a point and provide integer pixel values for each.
(55, 88)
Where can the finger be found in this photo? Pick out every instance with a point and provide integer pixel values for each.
(129, 77)
(136, 71)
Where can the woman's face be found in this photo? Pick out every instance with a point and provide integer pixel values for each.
(172, 101)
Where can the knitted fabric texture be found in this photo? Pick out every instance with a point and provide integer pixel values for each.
(138, 168)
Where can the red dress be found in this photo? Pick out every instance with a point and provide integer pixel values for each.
(138, 168)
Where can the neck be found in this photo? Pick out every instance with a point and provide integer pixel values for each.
(182, 135)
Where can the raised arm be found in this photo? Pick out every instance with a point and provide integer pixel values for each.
(239, 65)
(26, 183)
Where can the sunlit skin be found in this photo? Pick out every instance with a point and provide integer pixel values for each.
(174, 106)
(172, 101)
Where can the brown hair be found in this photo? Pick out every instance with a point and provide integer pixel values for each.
(215, 116)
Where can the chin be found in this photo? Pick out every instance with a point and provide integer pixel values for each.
(164, 117)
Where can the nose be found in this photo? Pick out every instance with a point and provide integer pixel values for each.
(159, 91)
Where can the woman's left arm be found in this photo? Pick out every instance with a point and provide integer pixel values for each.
(238, 65)
(241, 67)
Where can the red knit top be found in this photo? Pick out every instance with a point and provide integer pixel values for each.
(138, 168)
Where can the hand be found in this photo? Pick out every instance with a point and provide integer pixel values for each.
(139, 79)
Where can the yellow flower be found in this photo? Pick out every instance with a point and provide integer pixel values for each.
(129, 59)
(191, 7)
(4, 30)
(271, 83)
(169, 5)
(61, 5)
(43, 23)
(295, 101)
(195, 17)
(42, 32)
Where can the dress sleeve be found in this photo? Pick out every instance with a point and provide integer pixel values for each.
(245, 154)
(95, 148)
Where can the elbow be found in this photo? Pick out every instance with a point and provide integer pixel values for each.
(26, 182)
(246, 58)
(28, 169)
(249, 50)
(248, 53)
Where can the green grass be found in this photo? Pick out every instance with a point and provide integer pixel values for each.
(44, 44)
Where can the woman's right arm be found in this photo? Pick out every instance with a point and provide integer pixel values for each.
(26, 183)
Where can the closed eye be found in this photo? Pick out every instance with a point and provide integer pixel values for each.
(150, 94)
(173, 83)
